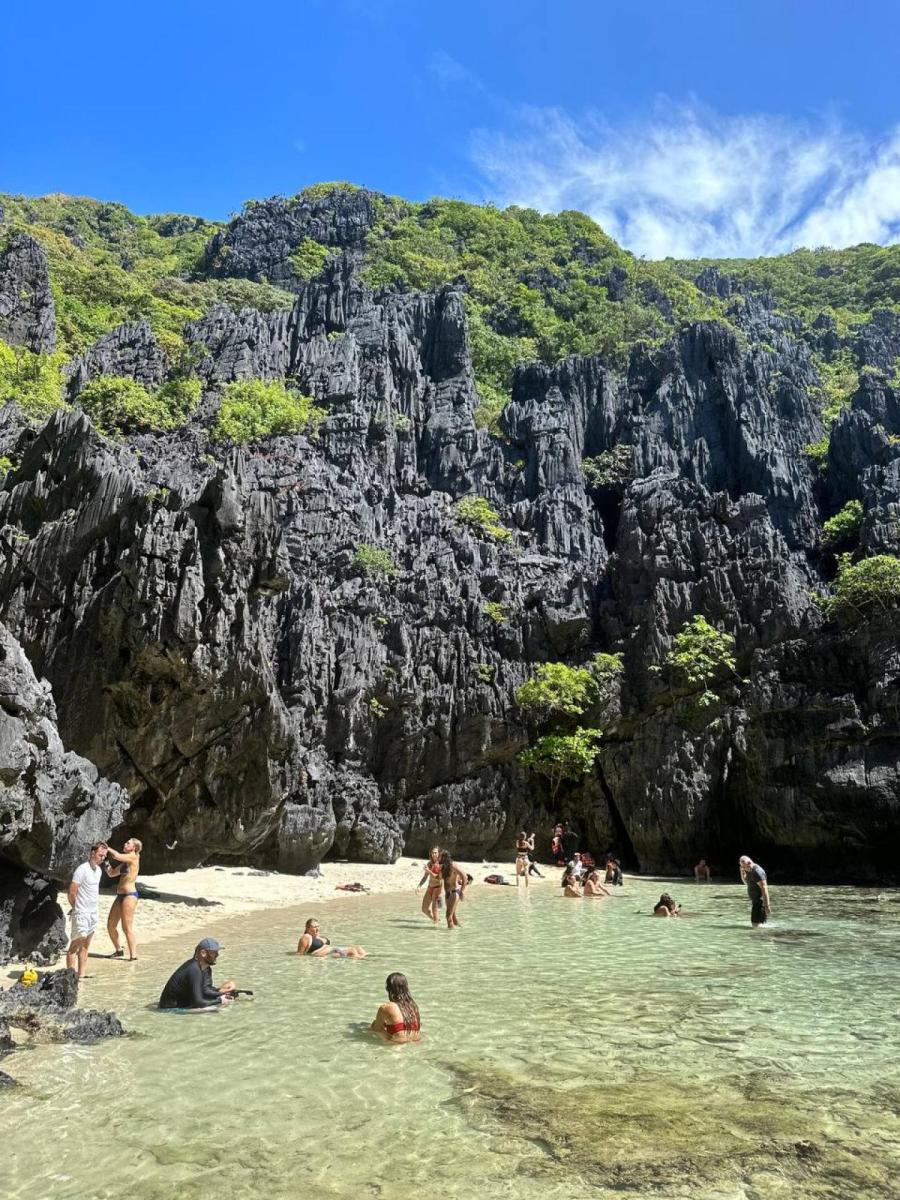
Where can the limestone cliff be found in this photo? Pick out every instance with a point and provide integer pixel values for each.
(215, 647)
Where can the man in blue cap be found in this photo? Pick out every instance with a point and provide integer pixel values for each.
(192, 987)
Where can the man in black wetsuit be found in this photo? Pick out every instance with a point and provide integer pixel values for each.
(192, 987)
(757, 889)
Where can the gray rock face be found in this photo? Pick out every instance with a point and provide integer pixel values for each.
(259, 243)
(216, 646)
(46, 1012)
(129, 350)
(27, 311)
(53, 805)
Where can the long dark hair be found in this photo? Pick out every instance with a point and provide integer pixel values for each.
(665, 901)
(446, 865)
(398, 991)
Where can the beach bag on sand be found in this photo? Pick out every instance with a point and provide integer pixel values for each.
(494, 879)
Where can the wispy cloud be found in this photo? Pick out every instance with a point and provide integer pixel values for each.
(688, 182)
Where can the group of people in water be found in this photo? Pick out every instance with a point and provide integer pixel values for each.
(191, 987)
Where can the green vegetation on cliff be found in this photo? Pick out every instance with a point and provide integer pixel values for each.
(254, 409)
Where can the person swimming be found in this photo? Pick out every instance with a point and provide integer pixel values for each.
(432, 901)
(666, 906)
(398, 1020)
(320, 947)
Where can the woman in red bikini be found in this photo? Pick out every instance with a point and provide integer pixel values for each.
(431, 901)
(398, 1020)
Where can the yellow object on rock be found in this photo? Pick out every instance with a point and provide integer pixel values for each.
(28, 977)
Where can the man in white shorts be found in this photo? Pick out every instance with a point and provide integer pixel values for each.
(84, 898)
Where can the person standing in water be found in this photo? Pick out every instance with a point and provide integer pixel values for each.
(84, 898)
(524, 845)
(122, 911)
(431, 901)
(701, 872)
(398, 1020)
(757, 889)
(455, 883)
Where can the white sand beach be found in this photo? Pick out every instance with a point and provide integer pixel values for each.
(203, 896)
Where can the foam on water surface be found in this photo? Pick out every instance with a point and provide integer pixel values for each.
(570, 1046)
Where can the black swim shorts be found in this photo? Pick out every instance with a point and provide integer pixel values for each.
(758, 914)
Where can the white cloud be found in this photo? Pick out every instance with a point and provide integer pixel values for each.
(690, 183)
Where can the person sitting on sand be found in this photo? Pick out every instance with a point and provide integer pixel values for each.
(593, 886)
(191, 986)
(701, 872)
(570, 885)
(666, 906)
(398, 1020)
(312, 942)
(455, 883)
(122, 911)
(431, 901)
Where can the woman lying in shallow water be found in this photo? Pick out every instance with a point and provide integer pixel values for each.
(320, 947)
(666, 906)
(398, 1020)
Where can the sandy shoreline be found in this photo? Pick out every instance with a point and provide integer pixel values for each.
(201, 898)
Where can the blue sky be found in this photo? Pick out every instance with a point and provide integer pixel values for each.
(735, 127)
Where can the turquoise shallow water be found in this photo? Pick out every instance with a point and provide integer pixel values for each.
(570, 1047)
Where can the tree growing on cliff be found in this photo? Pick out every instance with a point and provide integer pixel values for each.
(563, 756)
(700, 655)
(863, 588)
(556, 692)
(255, 409)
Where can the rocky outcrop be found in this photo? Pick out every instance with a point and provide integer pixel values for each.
(27, 311)
(260, 242)
(217, 645)
(130, 350)
(45, 1012)
(53, 805)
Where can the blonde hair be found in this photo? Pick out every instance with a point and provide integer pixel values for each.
(137, 843)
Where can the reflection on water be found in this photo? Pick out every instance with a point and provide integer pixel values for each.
(569, 1046)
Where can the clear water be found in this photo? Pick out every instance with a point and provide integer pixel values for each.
(571, 1047)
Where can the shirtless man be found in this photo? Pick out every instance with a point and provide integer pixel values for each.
(83, 894)
(701, 872)
(125, 903)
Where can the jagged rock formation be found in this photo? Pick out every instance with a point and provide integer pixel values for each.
(52, 806)
(215, 647)
(46, 1012)
(27, 311)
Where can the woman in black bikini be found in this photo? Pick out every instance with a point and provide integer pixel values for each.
(524, 846)
(125, 869)
(320, 947)
(431, 901)
(398, 1020)
(455, 884)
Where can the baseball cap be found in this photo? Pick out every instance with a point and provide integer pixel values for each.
(208, 944)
